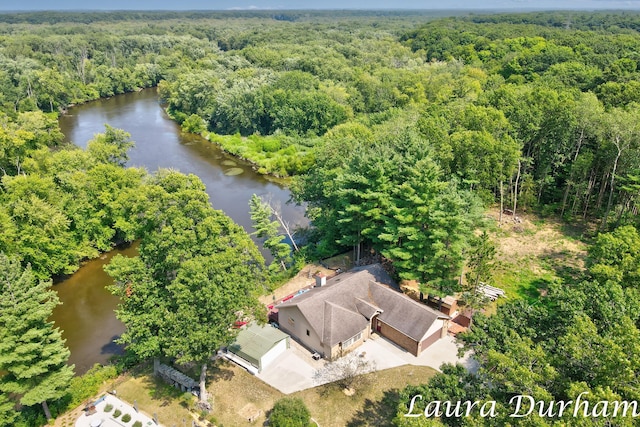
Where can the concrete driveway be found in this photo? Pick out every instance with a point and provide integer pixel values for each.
(387, 355)
(294, 369)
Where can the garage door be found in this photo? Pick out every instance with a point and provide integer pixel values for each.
(430, 340)
(273, 354)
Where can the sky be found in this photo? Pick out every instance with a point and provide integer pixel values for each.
(12, 5)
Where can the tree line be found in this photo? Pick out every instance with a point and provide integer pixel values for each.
(523, 111)
(564, 85)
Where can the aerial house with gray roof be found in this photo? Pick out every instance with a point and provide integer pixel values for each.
(336, 317)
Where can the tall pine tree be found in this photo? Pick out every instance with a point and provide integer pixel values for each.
(7, 411)
(33, 358)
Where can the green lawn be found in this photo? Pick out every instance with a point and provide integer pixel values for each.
(235, 393)
(154, 396)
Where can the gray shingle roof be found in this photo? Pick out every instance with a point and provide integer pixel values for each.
(340, 323)
(344, 306)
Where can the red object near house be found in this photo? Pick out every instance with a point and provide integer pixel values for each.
(239, 324)
(463, 319)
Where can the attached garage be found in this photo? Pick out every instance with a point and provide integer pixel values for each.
(256, 347)
(429, 340)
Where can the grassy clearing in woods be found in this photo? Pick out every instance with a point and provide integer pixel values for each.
(534, 252)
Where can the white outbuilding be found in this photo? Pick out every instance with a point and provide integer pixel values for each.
(256, 347)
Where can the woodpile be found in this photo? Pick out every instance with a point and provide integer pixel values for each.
(491, 292)
(176, 378)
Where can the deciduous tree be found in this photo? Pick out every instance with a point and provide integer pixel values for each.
(197, 274)
(289, 412)
(261, 214)
(112, 146)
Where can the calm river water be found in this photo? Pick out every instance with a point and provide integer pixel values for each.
(86, 316)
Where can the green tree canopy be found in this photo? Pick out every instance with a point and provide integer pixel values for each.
(196, 275)
(615, 256)
(111, 147)
(33, 357)
(289, 412)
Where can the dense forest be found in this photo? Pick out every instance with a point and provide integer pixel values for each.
(397, 129)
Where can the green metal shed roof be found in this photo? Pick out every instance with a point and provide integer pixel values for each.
(255, 341)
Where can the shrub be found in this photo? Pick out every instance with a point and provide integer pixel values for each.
(83, 387)
(117, 413)
(270, 145)
(126, 418)
(186, 399)
(126, 361)
(194, 124)
(289, 412)
(137, 424)
(108, 408)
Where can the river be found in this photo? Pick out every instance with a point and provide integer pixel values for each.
(86, 316)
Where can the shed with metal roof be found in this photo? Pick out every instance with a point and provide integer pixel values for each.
(258, 346)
